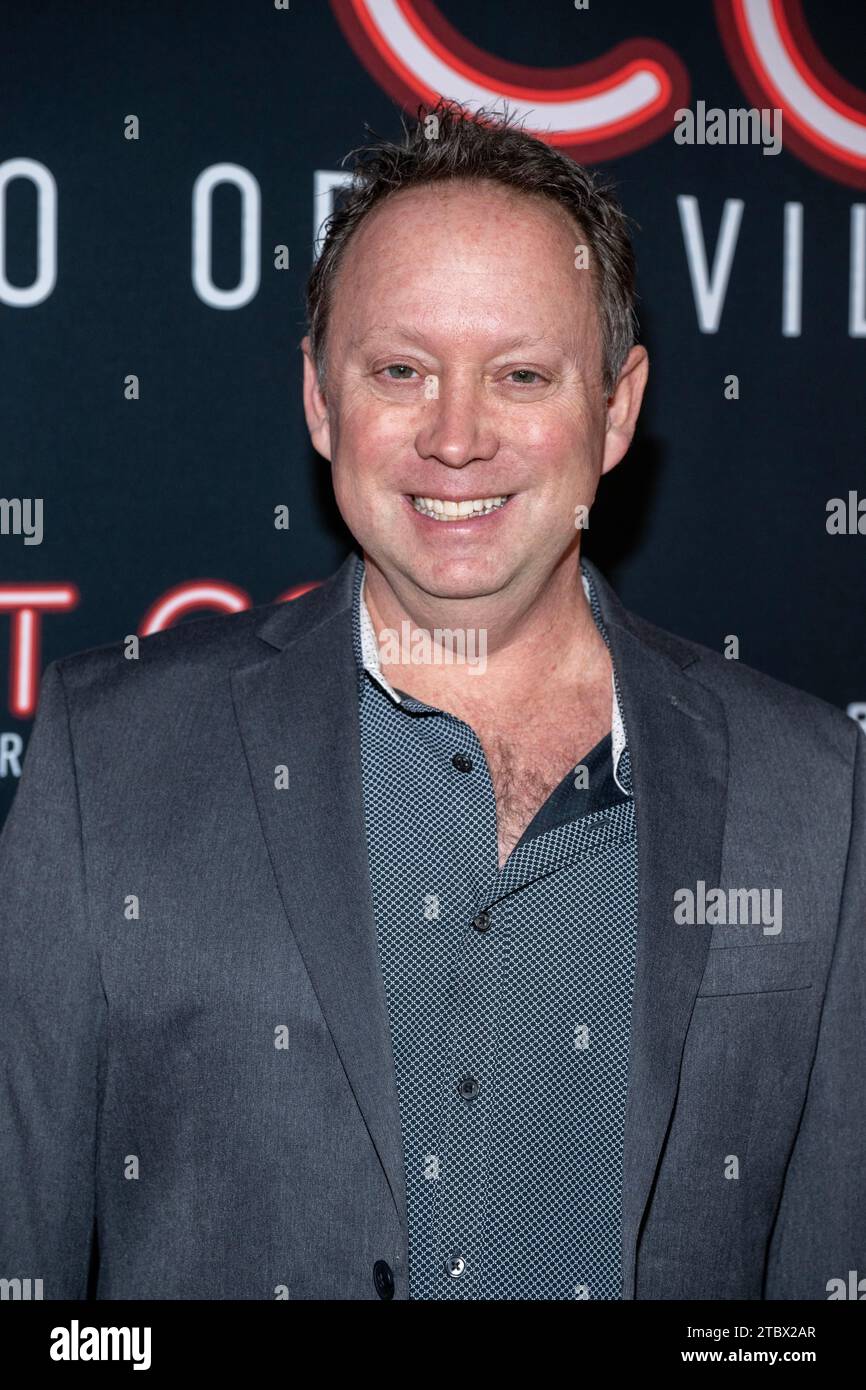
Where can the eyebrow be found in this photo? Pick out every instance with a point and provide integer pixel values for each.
(411, 331)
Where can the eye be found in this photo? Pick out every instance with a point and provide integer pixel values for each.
(398, 367)
(527, 372)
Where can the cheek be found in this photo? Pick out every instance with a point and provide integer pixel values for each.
(372, 445)
(556, 460)
(558, 451)
(555, 432)
(352, 489)
(361, 470)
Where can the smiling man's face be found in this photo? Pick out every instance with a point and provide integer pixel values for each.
(464, 366)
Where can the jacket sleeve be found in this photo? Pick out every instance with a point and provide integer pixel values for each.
(52, 1019)
(820, 1229)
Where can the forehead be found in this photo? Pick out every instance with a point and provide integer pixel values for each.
(463, 250)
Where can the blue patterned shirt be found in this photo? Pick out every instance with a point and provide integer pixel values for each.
(509, 996)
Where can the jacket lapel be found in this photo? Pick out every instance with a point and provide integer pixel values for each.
(678, 751)
(298, 708)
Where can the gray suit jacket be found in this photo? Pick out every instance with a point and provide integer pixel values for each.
(198, 1096)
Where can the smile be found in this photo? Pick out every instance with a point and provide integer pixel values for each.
(441, 510)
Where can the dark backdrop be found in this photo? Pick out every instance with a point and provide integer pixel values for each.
(715, 523)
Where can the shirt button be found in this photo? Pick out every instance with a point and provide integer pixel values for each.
(482, 922)
(461, 762)
(383, 1279)
(455, 1265)
(468, 1087)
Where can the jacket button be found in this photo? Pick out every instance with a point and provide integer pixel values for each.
(383, 1279)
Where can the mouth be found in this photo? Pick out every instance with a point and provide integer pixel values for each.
(443, 509)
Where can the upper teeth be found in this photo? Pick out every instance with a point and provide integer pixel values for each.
(449, 511)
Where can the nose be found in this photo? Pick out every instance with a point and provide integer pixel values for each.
(457, 426)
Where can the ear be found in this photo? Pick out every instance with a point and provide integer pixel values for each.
(315, 407)
(623, 407)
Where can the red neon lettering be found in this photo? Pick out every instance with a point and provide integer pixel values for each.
(778, 64)
(600, 109)
(27, 603)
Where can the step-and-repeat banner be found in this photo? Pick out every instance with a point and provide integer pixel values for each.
(164, 173)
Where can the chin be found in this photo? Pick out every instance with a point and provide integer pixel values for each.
(455, 579)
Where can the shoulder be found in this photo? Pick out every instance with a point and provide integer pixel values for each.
(216, 643)
(767, 715)
(196, 656)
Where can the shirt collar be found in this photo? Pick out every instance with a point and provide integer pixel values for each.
(367, 660)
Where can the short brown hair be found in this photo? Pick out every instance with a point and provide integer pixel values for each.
(485, 146)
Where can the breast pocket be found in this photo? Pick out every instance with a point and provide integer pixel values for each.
(770, 967)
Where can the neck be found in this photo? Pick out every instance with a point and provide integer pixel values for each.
(546, 639)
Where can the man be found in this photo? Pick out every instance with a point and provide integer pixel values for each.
(529, 967)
